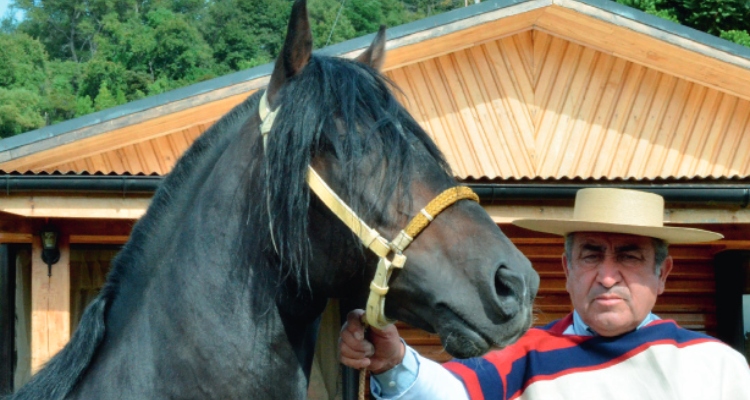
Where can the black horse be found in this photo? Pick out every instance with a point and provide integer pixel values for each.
(218, 291)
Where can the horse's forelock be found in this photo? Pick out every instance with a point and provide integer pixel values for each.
(346, 109)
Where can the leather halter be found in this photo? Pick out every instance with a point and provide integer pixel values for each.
(374, 313)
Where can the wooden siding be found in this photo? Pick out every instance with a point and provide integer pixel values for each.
(546, 89)
(152, 156)
(528, 105)
(534, 105)
(689, 297)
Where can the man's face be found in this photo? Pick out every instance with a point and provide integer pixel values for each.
(612, 280)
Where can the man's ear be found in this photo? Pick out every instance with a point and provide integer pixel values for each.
(666, 268)
(566, 270)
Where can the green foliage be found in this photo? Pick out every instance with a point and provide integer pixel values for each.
(23, 63)
(245, 33)
(84, 106)
(104, 99)
(181, 51)
(729, 19)
(712, 16)
(20, 111)
(737, 36)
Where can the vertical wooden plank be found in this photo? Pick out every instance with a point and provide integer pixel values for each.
(551, 87)
(629, 84)
(717, 134)
(166, 153)
(739, 164)
(667, 130)
(149, 156)
(50, 303)
(7, 318)
(115, 161)
(573, 113)
(676, 149)
(132, 158)
(512, 100)
(699, 136)
(631, 132)
(612, 72)
(653, 116)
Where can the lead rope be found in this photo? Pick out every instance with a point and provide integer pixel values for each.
(362, 383)
(375, 311)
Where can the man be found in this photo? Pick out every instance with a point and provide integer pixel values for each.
(610, 347)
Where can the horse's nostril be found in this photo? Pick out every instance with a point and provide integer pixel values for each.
(510, 291)
(502, 288)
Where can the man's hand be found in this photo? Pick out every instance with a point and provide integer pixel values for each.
(382, 352)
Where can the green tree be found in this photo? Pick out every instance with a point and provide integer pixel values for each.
(181, 53)
(729, 19)
(245, 33)
(20, 111)
(24, 62)
(329, 23)
(68, 28)
(712, 16)
(61, 96)
(104, 99)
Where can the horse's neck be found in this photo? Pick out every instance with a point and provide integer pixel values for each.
(203, 322)
(217, 341)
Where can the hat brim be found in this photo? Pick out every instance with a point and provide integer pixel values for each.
(672, 235)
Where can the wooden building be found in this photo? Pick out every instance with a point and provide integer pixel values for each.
(529, 100)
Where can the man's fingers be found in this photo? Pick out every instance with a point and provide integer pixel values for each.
(351, 346)
(354, 324)
(355, 363)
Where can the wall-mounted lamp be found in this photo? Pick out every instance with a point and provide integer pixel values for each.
(50, 252)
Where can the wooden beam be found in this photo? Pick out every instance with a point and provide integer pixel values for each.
(76, 206)
(6, 237)
(19, 228)
(463, 34)
(98, 239)
(50, 304)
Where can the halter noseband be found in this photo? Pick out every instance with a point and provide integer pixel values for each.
(374, 313)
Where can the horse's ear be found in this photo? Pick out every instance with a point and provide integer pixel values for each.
(374, 56)
(296, 51)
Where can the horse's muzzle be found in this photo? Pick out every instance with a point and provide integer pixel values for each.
(514, 292)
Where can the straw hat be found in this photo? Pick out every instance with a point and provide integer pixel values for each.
(619, 211)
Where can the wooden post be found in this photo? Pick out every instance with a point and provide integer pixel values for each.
(7, 317)
(50, 303)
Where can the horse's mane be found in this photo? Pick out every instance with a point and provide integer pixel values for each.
(345, 110)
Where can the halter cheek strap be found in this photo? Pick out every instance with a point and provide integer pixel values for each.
(374, 313)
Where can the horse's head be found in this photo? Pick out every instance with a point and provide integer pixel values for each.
(462, 277)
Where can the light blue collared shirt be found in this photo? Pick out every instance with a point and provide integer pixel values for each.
(578, 327)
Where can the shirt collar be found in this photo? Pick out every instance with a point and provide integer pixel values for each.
(578, 327)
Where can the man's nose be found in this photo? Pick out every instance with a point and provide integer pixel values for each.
(609, 272)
